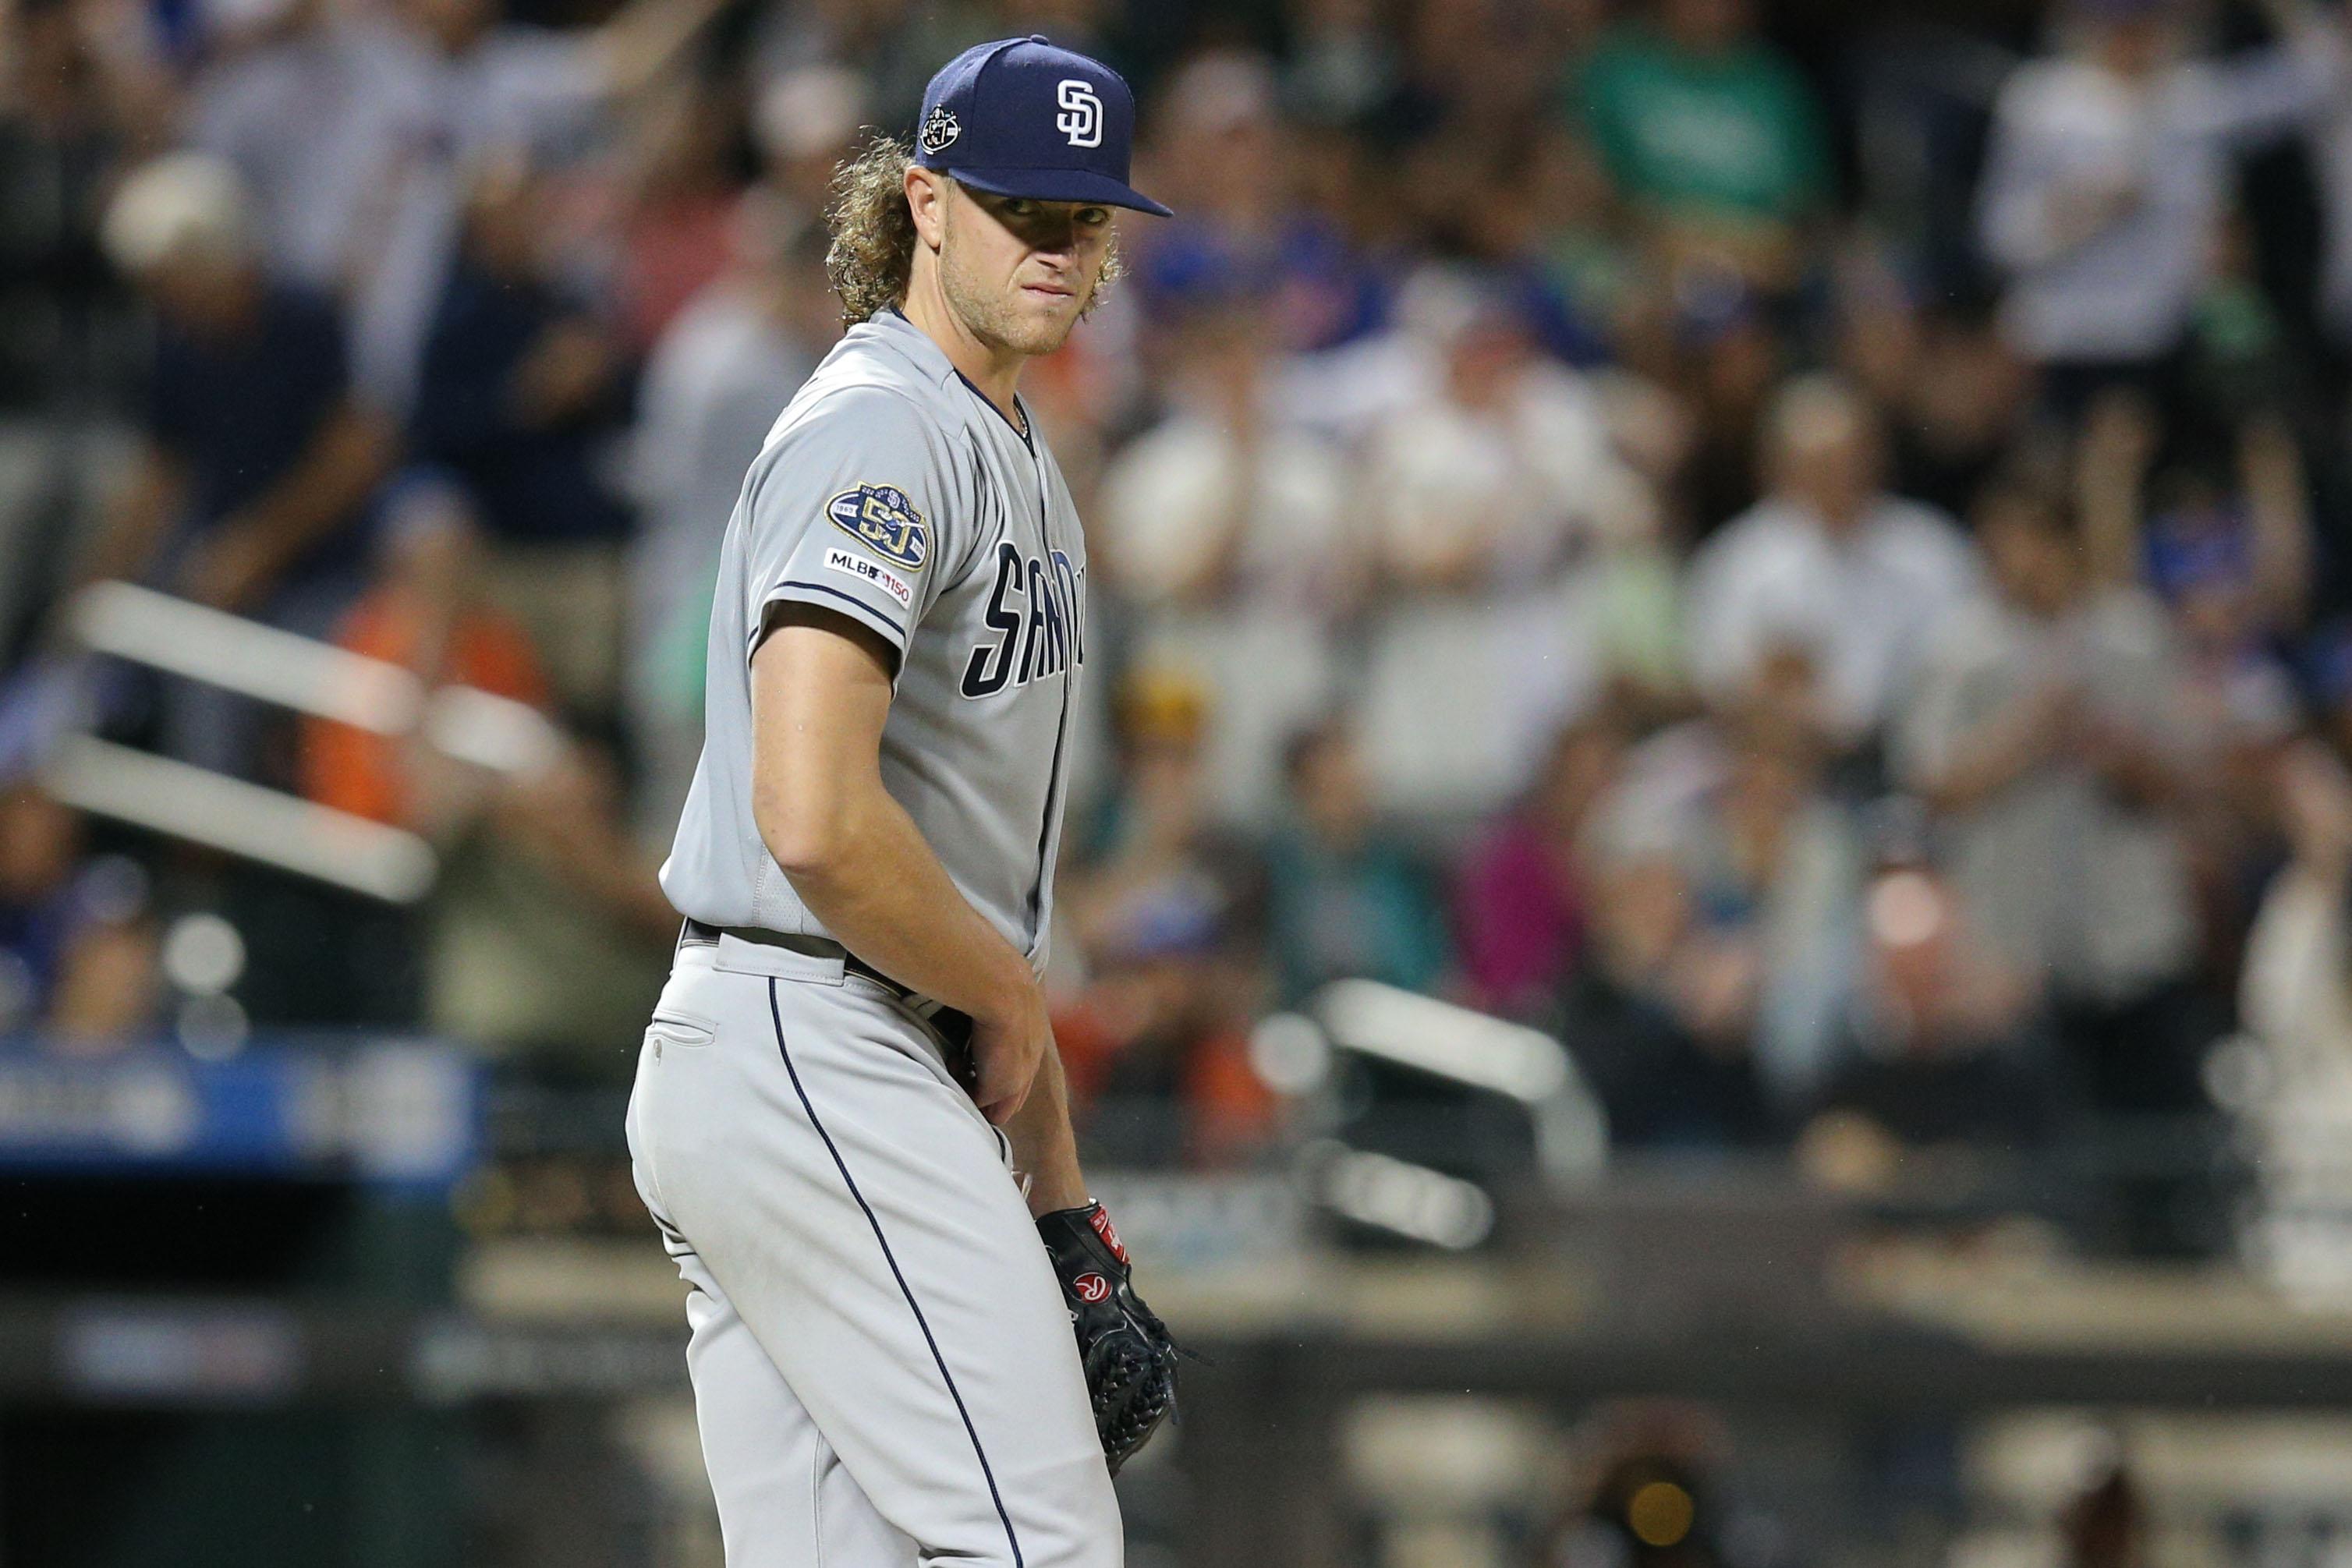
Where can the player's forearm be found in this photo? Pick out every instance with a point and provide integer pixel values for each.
(879, 888)
(1044, 1147)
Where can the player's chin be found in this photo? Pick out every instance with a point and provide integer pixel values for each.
(1047, 317)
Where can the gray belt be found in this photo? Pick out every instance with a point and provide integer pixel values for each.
(954, 1027)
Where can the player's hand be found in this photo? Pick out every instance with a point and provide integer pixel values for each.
(1006, 1048)
(1129, 1357)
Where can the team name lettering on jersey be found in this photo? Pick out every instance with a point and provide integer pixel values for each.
(1035, 612)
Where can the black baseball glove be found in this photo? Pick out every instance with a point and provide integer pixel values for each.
(1131, 1362)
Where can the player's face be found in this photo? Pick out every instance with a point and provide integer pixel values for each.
(1020, 272)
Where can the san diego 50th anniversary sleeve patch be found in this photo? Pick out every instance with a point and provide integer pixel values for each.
(880, 518)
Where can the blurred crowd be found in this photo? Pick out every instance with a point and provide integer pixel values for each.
(1799, 553)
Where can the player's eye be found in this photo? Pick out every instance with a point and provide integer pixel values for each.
(1020, 207)
(1093, 217)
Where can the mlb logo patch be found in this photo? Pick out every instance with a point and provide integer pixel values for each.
(872, 571)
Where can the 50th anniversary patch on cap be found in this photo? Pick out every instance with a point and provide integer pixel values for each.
(880, 518)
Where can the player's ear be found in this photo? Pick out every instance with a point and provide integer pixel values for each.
(927, 197)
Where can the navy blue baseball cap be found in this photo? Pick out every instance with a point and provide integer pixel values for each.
(1021, 118)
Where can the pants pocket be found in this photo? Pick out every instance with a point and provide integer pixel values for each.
(670, 1027)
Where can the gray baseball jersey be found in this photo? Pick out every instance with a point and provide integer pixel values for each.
(890, 491)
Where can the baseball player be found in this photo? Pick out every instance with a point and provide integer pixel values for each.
(850, 1083)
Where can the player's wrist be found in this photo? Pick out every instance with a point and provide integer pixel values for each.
(1056, 1192)
(1014, 994)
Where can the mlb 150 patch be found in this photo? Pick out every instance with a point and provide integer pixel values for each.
(880, 518)
(872, 571)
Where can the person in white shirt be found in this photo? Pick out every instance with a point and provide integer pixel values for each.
(1827, 566)
(2045, 729)
(1225, 530)
(1501, 469)
(2106, 177)
(1504, 521)
(2296, 999)
(355, 132)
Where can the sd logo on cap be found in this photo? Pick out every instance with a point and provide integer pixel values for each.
(1022, 118)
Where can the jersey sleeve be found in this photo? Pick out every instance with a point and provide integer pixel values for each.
(854, 509)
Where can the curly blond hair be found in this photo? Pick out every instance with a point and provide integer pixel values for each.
(871, 252)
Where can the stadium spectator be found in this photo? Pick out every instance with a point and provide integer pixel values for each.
(1226, 158)
(1499, 472)
(1346, 898)
(1222, 502)
(2294, 999)
(522, 389)
(1228, 533)
(427, 613)
(307, 103)
(804, 122)
(256, 460)
(1951, 392)
(1164, 908)
(546, 927)
(1944, 1059)
(1713, 136)
(1828, 565)
(2225, 541)
(1725, 942)
(61, 312)
(1160, 1028)
(2221, 532)
(1660, 1085)
(677, 232)
(1150, 864)
(2296, 994)
(1523, 903)
(78, 939)
(1497, 502)
(358, 130)
(562, 940)
(1342, 64)
(1582, 241)
(2047, 730)
(72, 338)
(2106, 180)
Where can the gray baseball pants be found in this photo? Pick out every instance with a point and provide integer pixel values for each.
(884, 1374)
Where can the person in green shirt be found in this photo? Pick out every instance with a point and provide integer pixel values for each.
(1346, 896)
(1711, 133)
